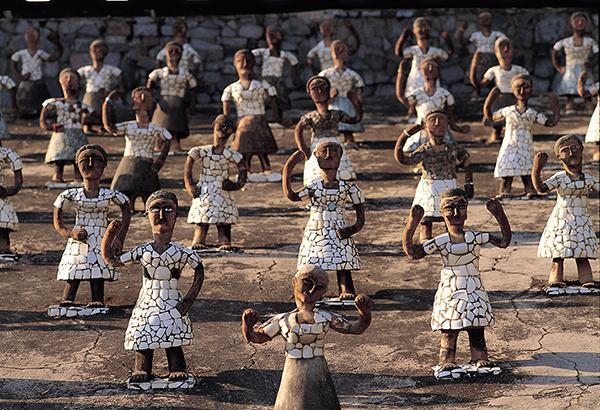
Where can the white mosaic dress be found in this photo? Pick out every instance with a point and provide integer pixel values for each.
(593, 131)
(415, 78)
(344, 81)
(273, 66)
(325, 129)
(31, 93)
(83, 260)
(6, 83)
(96, 81)
(502, 78)
(483, 43)
(424, 104)
(516, 152)
(8, 216)
(323, 53)
(155, 322)
(575, 59)
(31, 64)
(321, 245)
(189, 58)
(213, 205)
(461, 301)
(569, 232)
(64, 144)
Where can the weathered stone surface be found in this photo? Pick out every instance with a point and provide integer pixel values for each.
(451, 74)
(148, 29)
(251, 31)
(117, 28)
(234, 42)
(543, 68)
(204, 33)
(294, 26)
(550, 29)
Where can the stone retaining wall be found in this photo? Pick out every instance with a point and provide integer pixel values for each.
(135, 41)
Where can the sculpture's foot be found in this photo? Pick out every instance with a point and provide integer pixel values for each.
(139, 376)
(351, 145)
(66, 303)
(504, 195)
(199, 246)
(177, 376)
(228, 248)
(96, 304)
(347, 296)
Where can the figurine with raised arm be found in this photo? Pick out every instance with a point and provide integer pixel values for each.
(431, 97)
(173, 82)
(253, 135)
(273, 60)
(421, 29)
(99, 79)
(306, 383)
(211, 202)
(322, 51)
(160, 317)
(32, 89)
(501, 75)
(461, 302)
(569, 232)
(484, 39)
(8, 216)
(7, 83)
(82, 259)
(346, 91)
(137, 173)
(592, 135)
(67, 131)
(516, 152)
(327, 240)
(577, 49)
(323, 123)
(438, 160)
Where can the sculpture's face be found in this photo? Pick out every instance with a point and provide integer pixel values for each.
(91, 164)
(309, 287)
(326, 28)
(142, 100)
(329, 155)
(504, 51)
(521, 88)
(180, 28)
(221, 131)
(430, 70)
(319, 91)
(578, 23)
(436, 126)
(99, 51)
(32, 36)
(244, 63)
(174, 54)
(274, 37)
(339, 52)
(454, 210)
(69, 82)
(571, 153)
(162, 214)
(422, 29)
(485, 19)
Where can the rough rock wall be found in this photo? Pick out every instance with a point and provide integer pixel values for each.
(135, 41)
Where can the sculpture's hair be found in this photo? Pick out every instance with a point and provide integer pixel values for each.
(247, 52)
(525, 77)
(436, 112)
(564, 139)
(317, 78)
(99, 42)
(179, 24)
(325, 143)
(337, 42)
(579, 14)
(161, 194)
(485, 12)
(34, 28)
(420, 20)
(94, 147)
(454, 192)
(68, 70)
(428, 61)
(501, 40)
(141, 89)
(312, 269)
(174, 44)
(325, 22)
(224, 120)
(273, 27)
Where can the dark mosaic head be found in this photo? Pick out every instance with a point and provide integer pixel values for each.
(95, 147)
(564, 140)
(162, 194)
(451, 192)
(317, 78)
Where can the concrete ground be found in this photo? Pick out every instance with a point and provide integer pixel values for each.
(549, 348)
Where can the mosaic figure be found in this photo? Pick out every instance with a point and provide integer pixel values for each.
(253, 135)
(190, 59)
(483, 40)
(577, 49)
(438, 160)
(327, 240)
(137, 173)
(427, 99)
(82, 259)
(99, 79)
(32, 89)
(9, 159)
(346, 91)
(273, 60)
(592, 135)
(67, 131)
(516, 152)
(306, 382)
(501, 75)
(322, 51)
(160, 317)
(211, 201)
(6, 83)
(569, 232)
(461, 302)
(173, 83)
(323, 123)
(421, 29)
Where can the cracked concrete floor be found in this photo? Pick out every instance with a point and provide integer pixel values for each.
(549, 347)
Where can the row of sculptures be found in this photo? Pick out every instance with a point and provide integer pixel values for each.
(159, 319)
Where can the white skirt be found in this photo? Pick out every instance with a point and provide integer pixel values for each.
(569, 233)
(429, 192)
(312, 171)
(213, 205)
(593, 131)
(8, 216)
